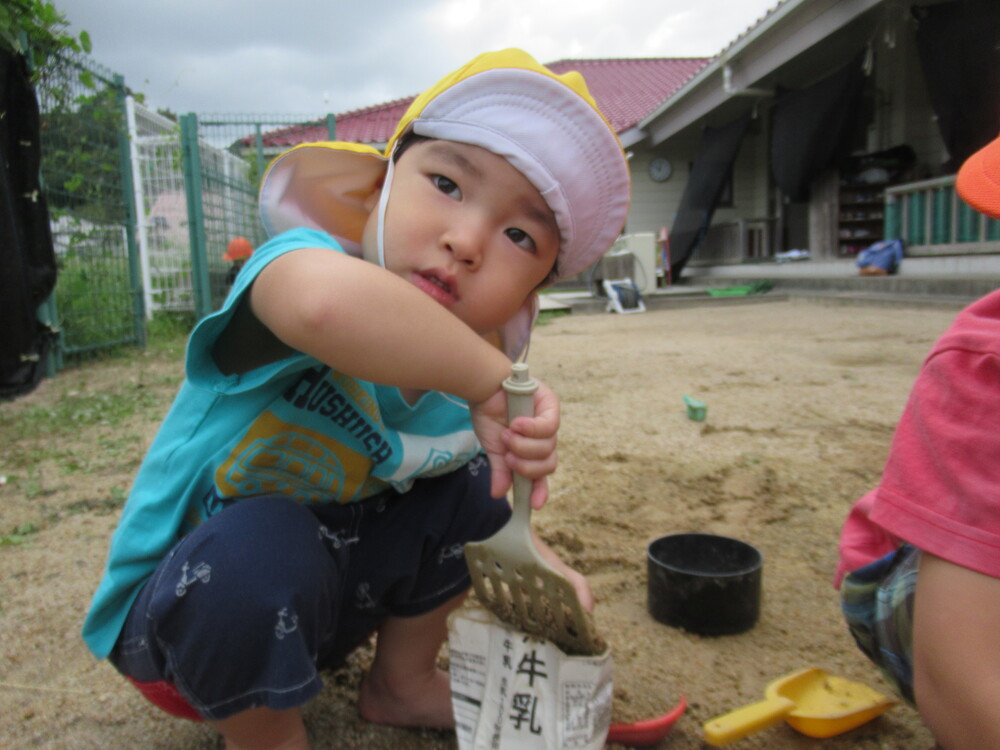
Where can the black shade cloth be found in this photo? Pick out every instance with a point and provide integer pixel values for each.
(811, 128)
(716, 154)
(27, 258)
(959, 48)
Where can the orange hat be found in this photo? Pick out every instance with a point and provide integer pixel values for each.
(239, 249)
(978, 180)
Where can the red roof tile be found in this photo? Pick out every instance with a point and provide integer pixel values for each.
(628, 89)
(625, 89)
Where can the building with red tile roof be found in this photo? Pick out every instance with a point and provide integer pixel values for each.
(625, 89)
(719, 153)
(628, 89)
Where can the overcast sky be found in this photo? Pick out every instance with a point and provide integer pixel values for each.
(317, 56)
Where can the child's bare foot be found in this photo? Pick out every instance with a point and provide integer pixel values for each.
(262, 727)
(422, 702)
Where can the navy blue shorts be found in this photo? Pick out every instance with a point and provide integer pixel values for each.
(249, 606)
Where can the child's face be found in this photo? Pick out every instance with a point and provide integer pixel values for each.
(466, 228)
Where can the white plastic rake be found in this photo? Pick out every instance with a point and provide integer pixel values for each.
(510, 576)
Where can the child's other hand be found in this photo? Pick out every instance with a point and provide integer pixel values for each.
(526, 446)
(579, 582)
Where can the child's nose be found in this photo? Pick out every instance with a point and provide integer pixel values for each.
(466, 243)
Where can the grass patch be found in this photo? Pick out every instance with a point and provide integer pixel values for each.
(95, 405)
(21, 535)
(167, 332)
(101, 505)
(548, 316)
(73, 411)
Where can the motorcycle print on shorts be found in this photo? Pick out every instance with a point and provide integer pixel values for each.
(283, 626)
(337, 539)
(202, 572)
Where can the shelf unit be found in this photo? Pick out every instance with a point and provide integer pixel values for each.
(860, 217)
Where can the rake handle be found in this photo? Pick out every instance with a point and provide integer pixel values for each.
(520, 388)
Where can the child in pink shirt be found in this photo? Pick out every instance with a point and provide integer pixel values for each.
(919, 569)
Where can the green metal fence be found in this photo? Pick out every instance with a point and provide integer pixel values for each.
(931, 218)
(86, 173)
(224, 158)
(101, 204)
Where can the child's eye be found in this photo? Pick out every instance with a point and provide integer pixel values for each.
(521, 238)
(446, 186)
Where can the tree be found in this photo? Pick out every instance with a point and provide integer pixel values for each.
(38, 25)
(80, 140)
(80, 116)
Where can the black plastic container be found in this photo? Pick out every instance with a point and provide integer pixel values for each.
(703, 583)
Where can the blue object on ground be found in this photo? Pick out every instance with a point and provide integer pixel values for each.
(886, 255)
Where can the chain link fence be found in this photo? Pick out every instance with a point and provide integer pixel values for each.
(87, 179)
(224, 159)
(196, 184)
(142, 207)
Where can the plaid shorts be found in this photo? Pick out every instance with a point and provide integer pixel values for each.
(877, 601)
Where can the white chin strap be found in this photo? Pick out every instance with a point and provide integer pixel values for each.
(383, 201)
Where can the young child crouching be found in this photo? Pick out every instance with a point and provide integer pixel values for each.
(342, 432)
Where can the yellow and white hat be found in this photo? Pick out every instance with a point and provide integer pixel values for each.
(548, 127)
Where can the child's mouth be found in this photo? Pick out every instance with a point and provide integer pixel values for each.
(440, 289)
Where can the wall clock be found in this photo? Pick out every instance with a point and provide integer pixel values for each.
(660, 169)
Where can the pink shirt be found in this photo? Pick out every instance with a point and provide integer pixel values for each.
(940, 490)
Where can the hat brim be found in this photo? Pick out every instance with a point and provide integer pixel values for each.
(324, 186)
(550, 129)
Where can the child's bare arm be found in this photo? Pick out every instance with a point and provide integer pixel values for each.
(368, 323)
(956, 653)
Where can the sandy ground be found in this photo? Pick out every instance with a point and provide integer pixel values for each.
(802, 400)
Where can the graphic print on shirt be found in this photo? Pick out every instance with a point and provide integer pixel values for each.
(326, 438)
(278, 457)
(319, 441)
(345, 406)
(431, 457)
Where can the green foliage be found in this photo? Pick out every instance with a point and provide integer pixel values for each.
(38, 30)
(42, 26)
(20, 535)
(100, 505)
(74, 411)
(81, 148)
(167, 332)
(547, 316)
(167, 327)
(91, 280)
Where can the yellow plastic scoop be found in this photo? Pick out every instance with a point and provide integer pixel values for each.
(811, 701)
